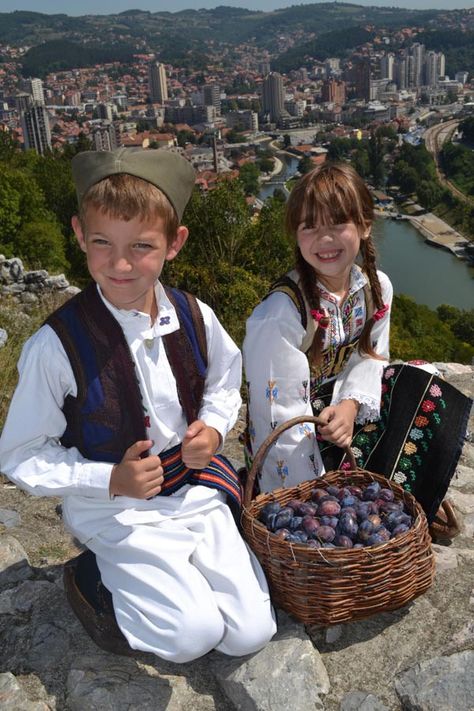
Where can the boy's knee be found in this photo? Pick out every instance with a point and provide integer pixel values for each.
(250, 638)
(195, 635)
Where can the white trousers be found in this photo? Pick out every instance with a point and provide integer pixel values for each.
(185, 584)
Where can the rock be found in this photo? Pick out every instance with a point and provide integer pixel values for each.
(14, 698)
(57, 281)
(446, 558)
(440, 683)
(14, 564)
(37, 276)
(3, 337)
(361, 701)
(287, 673)
(9, 519)
(463, 479)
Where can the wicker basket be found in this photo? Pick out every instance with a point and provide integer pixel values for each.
(332, 585)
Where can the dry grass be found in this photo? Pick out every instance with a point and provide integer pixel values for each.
(19, 326)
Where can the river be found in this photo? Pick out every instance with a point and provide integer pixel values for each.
(428, 274)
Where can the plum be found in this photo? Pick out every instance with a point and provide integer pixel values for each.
(366, 528)
(314, 543)
(398, 530)
(282, 533)
(326, 534)
(295, 523)
(345, 491)
(329, 521)
(295, 504)
(348, 500)
(388, 506)
(375, 520)
(386, 495)
(329, 508)
(272, 508)
(343, 541)
(347, 525)
(310, 526)
(283, 518)
(332, 490)
(307, 509)
(355, 491)
(362, 510)
(375, 540)
(318, 494)
(371, 492)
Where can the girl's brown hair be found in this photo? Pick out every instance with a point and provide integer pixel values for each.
(334, 194)
(125, 197)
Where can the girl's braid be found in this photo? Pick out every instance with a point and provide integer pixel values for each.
(369, 266)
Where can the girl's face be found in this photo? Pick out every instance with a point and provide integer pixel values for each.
(331, 250)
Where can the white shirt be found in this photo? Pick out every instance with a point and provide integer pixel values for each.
(278, 375)
(30, 451)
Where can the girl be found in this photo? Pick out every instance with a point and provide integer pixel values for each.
(319, 344)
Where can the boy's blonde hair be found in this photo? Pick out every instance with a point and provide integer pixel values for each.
(124, 197)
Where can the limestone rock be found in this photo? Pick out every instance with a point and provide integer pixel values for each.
(287, 673)
(14, 698)
(440, 683)
(14, 564)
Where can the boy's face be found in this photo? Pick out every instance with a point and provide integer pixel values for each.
(126, 258)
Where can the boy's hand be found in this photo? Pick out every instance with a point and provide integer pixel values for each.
(339, 420)
(139, 478)
(199, 445)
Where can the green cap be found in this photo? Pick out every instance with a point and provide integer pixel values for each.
(170, 172)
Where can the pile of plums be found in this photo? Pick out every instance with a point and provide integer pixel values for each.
(346, 517)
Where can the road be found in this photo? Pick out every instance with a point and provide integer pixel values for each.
(435, 137)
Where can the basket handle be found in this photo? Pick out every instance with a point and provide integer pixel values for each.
(267, 443)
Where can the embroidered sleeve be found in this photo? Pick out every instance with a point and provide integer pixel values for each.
(277, 375)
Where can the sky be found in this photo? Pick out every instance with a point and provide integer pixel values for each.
(106, 7)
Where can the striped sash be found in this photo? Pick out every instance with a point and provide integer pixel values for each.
(219, 474)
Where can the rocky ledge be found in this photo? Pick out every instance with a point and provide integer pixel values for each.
(419, 657)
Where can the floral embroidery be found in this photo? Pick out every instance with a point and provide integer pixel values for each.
(282, 469)
(303, 392)
(399, 477)
(410, 448)
(404, 463)
(370, 427)
(384, 388)
(435, 391)
(305, 430)
(251, 430)
(388, 373)
(356, 452)
(428, 406)
(416, 433)
(271, 392)
(345, 465)
(421, 421)
(164, 320)
(147, 421)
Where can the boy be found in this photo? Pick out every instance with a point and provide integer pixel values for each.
(104, 416)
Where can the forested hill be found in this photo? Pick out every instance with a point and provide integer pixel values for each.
(227, 24)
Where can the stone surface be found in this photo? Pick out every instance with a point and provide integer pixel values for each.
(361, 701)
(288, 673)
(445, 683)
(418, 657)
(9, 519)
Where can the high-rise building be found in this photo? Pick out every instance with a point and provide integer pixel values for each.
(105, 111)
(273, 95)
(23, 101)
(35, 127)
(34, 87)
(157, 85)
(386, 66)
(105, 137)
(362, 78)
(212, 96)
(334, 91)
(332, 66)
(431, 68)
(418, 54)
(400, 73)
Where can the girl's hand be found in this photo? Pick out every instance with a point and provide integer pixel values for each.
(339, 419)
(199, 445)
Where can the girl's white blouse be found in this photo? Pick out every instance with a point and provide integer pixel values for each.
(278, 376)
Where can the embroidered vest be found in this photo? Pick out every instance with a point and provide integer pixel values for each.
(332, 362)
(106, 416)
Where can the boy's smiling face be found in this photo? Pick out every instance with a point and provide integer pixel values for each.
(125, 258)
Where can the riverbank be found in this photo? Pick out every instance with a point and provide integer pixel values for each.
(435, 231)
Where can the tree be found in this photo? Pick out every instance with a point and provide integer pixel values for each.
(305, 165)
(429, 194)
(249, 175)
(41, 245)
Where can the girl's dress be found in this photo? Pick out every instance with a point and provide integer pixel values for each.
(410, 426)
